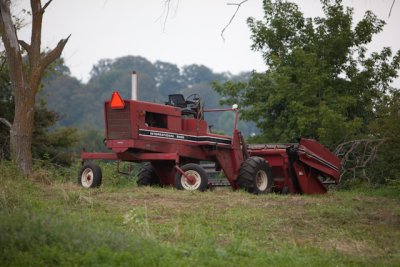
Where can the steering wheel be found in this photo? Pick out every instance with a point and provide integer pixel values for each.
(195, 102)
(193, 98)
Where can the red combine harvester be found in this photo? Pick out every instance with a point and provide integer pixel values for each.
(174, 139)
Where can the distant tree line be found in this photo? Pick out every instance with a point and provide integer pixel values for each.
(81, 104)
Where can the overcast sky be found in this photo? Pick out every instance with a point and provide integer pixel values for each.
(191, 33)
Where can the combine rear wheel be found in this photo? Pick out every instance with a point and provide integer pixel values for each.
(255, 176)
(147, 176)
(196, 178)
(90, 175)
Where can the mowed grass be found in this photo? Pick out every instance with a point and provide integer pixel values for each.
(48, 220)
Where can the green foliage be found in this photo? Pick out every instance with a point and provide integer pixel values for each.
(48, 221)
(54, 146)
(6, 112)
(320, 83)
(387, 126)
(55, 238)
(92, 140)
(391, 189)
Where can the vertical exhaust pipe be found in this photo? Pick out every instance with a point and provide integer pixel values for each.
(134, 90)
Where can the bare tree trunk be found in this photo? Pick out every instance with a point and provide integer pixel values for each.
(21, 133)
(14, 60)
(25, 84)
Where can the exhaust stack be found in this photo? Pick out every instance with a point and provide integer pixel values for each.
(134, 90)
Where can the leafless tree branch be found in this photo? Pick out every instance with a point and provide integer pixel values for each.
(357, 154)
(46, 5)
(24, 45)
(55, 53)
(166, 12)
(167, 4)
(233, 16)
(391, 7)
(3, 62)
(167, 9)
(6, 122)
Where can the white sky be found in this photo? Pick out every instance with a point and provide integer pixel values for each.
(114, 28)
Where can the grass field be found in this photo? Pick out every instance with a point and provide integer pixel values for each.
(47, 220)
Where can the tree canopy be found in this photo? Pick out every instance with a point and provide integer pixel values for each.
(321, 82)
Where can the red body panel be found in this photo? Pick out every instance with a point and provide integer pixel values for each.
(144, 131)
(278, 161)
(315, 155)
(312, 166)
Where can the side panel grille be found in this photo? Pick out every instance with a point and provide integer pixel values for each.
(119, 122)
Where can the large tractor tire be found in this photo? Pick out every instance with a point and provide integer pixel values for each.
(255, 176)
(198, 178)
(147, 176)
(90, 175)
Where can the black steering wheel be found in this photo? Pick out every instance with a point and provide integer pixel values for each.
(193, 98)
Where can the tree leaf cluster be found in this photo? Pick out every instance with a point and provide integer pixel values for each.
(321, 81)
(387, 126)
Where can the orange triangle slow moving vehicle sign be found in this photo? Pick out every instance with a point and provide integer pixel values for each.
(116, 101)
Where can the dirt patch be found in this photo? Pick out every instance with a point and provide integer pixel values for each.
(352, 247)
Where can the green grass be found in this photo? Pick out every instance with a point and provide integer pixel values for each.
(47, 220)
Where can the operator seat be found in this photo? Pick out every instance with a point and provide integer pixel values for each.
(178, 100)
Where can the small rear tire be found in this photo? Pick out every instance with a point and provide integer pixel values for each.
(147, 176)
(90, 175)
(198, 178)
(255, 176)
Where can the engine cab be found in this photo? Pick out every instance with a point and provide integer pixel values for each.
(179, 119)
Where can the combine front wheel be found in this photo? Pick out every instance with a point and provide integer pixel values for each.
(147, 176)
(90, 175)
(255, 176)
(196, 178)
